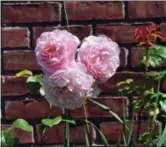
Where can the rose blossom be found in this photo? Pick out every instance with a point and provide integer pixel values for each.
(67, 87)
(55, 49)
(100, 55)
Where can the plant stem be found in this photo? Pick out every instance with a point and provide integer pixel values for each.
(87, 125)
(66, 131)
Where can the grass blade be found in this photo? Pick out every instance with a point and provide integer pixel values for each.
(107, 109)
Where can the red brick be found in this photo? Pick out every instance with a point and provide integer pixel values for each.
(79, 112)
(29, 109)
(15, 37)
(55, 134)
(110, 85)
(123, 57)
(163, 30)
(79, 31)
(23, 136)
(164, 84)
(36, 12)
(136, 55)
(114, 103)
(119, 33)
(145, 9)
(113, 131)
(12, 86)
(94, 10)
(20, 60)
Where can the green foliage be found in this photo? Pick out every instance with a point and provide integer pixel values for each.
(7, 139)
(22, 124)
(107, 109)
(162, 139)
(52, 122)
(34, 82)
(24, 73)
(155, 56)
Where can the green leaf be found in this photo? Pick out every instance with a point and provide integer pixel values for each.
(7, 140)
(121, 83)
(160, 50)
(154, 61)
(22, 124)
(42, 92)
(23, 73)
(52, 122)
(128, 81)
(163, 105)
(107, 109)
(34, 83)
(69, 121)
(162, 139)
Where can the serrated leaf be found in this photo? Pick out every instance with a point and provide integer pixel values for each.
(7, 139)
(22, 124)
(158, 34)
(107, 109)
(24, 73)
(158, 50)
(154, 61)
(52, 122)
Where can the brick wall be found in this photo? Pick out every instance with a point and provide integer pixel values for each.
(23, 22)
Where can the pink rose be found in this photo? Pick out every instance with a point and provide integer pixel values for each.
(100, 55)
(55, 49)
(67, 87)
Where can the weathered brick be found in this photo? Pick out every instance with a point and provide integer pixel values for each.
(94, 10)
(119, 33)
(29, 109)
(110, 85)
(145, 9)
(23, 136)
(136, 56)
(114, 103)
(15, 37)
(79, 31)
(36, 12)
(55, 134)
(163, 30)
(123, 57)
(13, 86)
(20, 60)
(113, 130)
